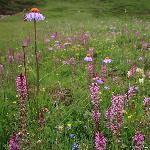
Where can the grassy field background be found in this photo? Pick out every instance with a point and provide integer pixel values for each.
(111, 25)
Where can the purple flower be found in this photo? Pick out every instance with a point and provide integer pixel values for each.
(88, 59)
(91, 51)
(21, 84)
(131, 92)
(115, 114)
(1, 69)
(75, 146)
(72, 136)
(34, 16)
(138, 140)
(100, 141)
(146, 101)
(144, 45)
(106, 87)
(94, 90)
(96, 115)
(14, 142)
(107, 60)
(99, 81)
(54, 35)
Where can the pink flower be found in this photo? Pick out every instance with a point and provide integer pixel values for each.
(1, 69)
(21, 84)
(100, 141)
(14, 142)
(138, 140)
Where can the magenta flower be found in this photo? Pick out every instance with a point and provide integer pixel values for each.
(100, 141)
(21, 84)
(91, 51)
(131, 92)
(14, 142)
(138, 140)
(1, 69)
(115, 114)
(96, 115)
(94, 90)
(144, 45)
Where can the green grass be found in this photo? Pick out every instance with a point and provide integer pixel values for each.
(112, 33)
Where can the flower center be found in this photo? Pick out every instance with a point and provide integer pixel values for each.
(35, 10)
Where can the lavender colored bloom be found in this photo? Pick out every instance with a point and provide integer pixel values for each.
(72, 136)
(106, 87)
(88, 59)
(50, 49)
(18, 58)
(91, 51)
(34, 16)
(100, 141)
(1, 69)
(147, 101)
(14, 142)
(54, 35)
(21, 84)
(10, 59)
(99, 81)
(138, 140)
(107, 60)
(144, 45)
(75, 146)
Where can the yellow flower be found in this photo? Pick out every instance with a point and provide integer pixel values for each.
(130, 116)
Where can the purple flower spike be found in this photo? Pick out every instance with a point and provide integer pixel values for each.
(14, 142)
(138, 140)
(21, 84)
(100, 141)
(1, 69)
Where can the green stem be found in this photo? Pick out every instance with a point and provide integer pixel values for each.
(36, 58)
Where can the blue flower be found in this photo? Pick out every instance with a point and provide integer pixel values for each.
(72, 136)
(75, 146)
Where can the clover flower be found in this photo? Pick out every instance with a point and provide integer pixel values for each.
(14, 142)
(138, 140)
(100, 141)
(34, 15)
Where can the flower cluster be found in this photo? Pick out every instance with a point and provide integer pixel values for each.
(21, 84)
(14, 142)
(138, 141)
(132, 71)
(34, 15)
(75, 146)
(115, 114)
(94, 90)
(100, 141)
(131, 92)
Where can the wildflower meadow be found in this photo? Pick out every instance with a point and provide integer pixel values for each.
(75, 75)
